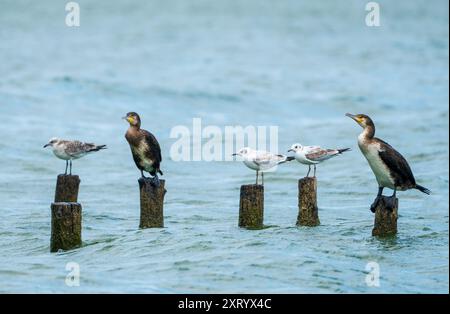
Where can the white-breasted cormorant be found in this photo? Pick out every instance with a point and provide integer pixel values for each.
(144, 147)
(71, 150)
(314, 155)
(390, 168)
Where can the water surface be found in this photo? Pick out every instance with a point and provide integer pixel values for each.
(299, 65)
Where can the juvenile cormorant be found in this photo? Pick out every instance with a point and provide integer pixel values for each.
(71, 150)
(390, 168)
(314, 155)
(144, 147)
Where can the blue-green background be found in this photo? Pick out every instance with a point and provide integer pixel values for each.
(300, 65)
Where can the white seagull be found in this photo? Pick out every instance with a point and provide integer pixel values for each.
(313, 155)
(261, 161)
(71, 150)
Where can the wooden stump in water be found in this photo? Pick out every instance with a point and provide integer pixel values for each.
(67, 188)
(385, 219)
(152, 204)
(66, 226)
(308, 213)
(251, 207)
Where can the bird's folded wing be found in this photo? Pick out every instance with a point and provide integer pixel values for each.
(153, 146)
(268, 159)
(321, 154)
(397, 164)
(74, 148)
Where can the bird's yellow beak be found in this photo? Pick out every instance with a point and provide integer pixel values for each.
(354, 117)
(129, 119)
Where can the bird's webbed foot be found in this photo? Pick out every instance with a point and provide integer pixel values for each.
(143, 176)
(155, 181)
(390, 203)
(375, 203)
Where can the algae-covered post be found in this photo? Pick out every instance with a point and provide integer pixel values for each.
(67, 187)
(152, 203)
(308, 213)
(385, 218)
(66, 226)
(251, 206)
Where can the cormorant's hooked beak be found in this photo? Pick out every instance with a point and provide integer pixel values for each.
(128, 119)
(352, 116)
(357, 119)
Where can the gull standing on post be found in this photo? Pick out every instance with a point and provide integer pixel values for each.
(144, 148)
(261, 161)
(314, 155)
(390, 168)
(71, 150)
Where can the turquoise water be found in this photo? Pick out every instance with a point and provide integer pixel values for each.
(298, 65)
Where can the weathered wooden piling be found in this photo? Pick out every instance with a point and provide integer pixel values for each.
(251, 207)
(67, 187)
(385, 218)
(152, 204)
(308, 212)
(66, 226)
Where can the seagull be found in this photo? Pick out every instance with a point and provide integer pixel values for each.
(390, 168)
(144, 148)
(314, 155)
(71, 150)
(261, 161)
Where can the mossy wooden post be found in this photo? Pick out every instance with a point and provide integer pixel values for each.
(67, 188)
(66, 226)
(152, 204)
(308, 213)
(251, 207)
(385, 219)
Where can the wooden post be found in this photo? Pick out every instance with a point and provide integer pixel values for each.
(66, 226)
(152, 204)
(251, 207)
(67, 188)
(385, 219)
(308, 213)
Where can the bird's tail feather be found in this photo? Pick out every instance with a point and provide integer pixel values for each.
(97, 148)
(289, 158)
(343, 150)
(422, 189)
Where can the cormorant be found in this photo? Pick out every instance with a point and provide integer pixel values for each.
(390, 168)
(144, 148)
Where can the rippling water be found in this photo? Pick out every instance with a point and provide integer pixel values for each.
(300, 65)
